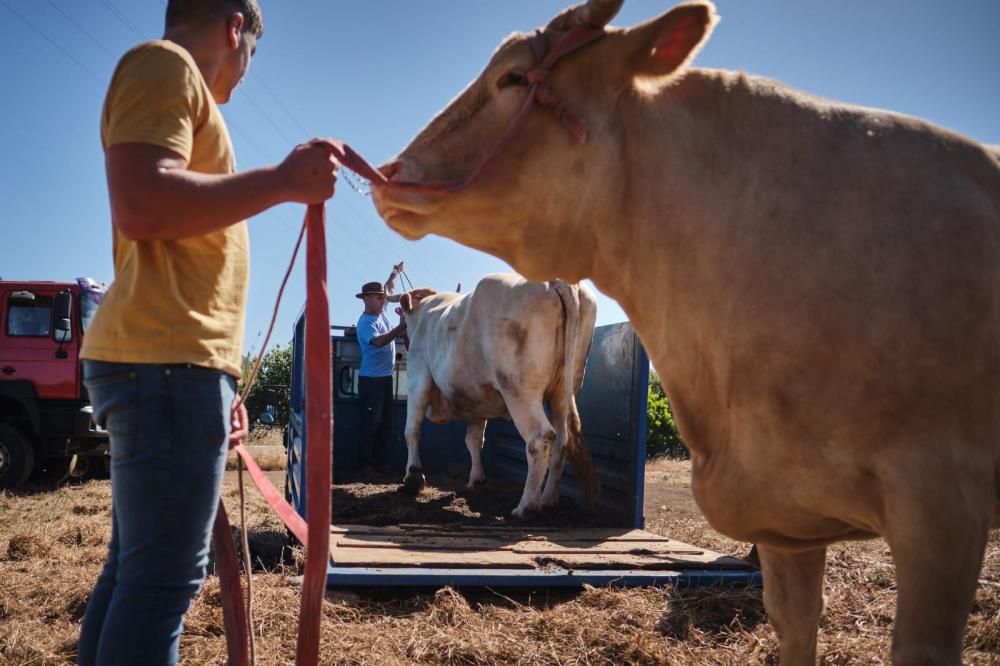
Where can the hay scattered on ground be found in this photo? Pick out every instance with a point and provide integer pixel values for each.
(269, 458)
(52, 545)
(266, 446)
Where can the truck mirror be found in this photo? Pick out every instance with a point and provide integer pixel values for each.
(64, 305)
(266, 418)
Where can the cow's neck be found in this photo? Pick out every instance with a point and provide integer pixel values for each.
(692, 165)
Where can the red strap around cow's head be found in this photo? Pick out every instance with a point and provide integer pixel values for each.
(541, 91)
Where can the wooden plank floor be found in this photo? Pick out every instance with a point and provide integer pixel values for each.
(480, 546)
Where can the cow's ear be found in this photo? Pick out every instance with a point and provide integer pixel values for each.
(666, 44)
(406, 303)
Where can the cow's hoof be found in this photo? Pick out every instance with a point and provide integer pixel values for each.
(475, 485)
(413, 483)
(520, 514)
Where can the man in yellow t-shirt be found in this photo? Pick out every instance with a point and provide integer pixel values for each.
(162, 356)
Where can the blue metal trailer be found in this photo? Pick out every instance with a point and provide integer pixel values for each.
(612, 405)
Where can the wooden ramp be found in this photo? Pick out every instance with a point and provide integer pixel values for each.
(573, 552)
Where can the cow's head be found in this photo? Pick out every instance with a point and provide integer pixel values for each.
(544, 182)
(410, 300)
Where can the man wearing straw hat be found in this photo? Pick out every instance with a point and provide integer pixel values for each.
(378, 358)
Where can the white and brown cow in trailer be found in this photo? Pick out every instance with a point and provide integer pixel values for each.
(504, 350)
(827, 312)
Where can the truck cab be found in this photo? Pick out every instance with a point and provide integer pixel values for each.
(45, 418)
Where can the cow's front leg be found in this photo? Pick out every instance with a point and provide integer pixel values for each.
(937, 534)
(416, 407)
(539, 437)
(793, 597)
(475, 432)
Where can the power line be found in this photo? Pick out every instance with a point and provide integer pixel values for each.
(121, 17)
(400, 247)
(50, 41)
(82, 29)
(277, 99)
(267, 118)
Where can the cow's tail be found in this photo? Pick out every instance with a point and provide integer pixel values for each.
(577, 450)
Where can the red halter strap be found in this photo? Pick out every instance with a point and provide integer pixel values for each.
(542, 91)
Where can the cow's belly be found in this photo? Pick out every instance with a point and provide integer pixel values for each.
(464, 404)
(792, 508)
(802, 463)
(786, 494)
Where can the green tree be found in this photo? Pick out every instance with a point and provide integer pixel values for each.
(662, 438)
(272, 386)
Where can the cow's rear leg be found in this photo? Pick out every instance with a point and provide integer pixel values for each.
(475, 432)
(937, 542)
(793, 597)
(539, 437)
(557, 461)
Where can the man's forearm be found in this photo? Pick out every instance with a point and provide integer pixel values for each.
(183, 203)
(154, 196)
(384, 339)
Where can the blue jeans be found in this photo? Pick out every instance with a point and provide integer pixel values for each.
(169, 429)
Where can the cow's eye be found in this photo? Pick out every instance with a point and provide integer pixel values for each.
(512, 79)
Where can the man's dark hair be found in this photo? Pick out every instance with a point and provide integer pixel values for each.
(200, 11)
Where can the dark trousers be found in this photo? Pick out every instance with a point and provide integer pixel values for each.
(376, 413)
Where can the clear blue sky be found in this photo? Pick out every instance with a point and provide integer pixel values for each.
(372, 72)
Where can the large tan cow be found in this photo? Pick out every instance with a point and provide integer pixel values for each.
(827, 277)
(503, 350)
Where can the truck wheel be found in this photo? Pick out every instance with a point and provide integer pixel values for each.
(17, 457)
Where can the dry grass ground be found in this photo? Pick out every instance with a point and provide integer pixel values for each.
(265, 445)
(52, 546)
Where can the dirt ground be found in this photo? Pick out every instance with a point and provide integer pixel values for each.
(52, 545)
(379, 500)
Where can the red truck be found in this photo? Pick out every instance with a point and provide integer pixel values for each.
(46, 427)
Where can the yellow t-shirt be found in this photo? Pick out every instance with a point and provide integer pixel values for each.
(172, 301)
